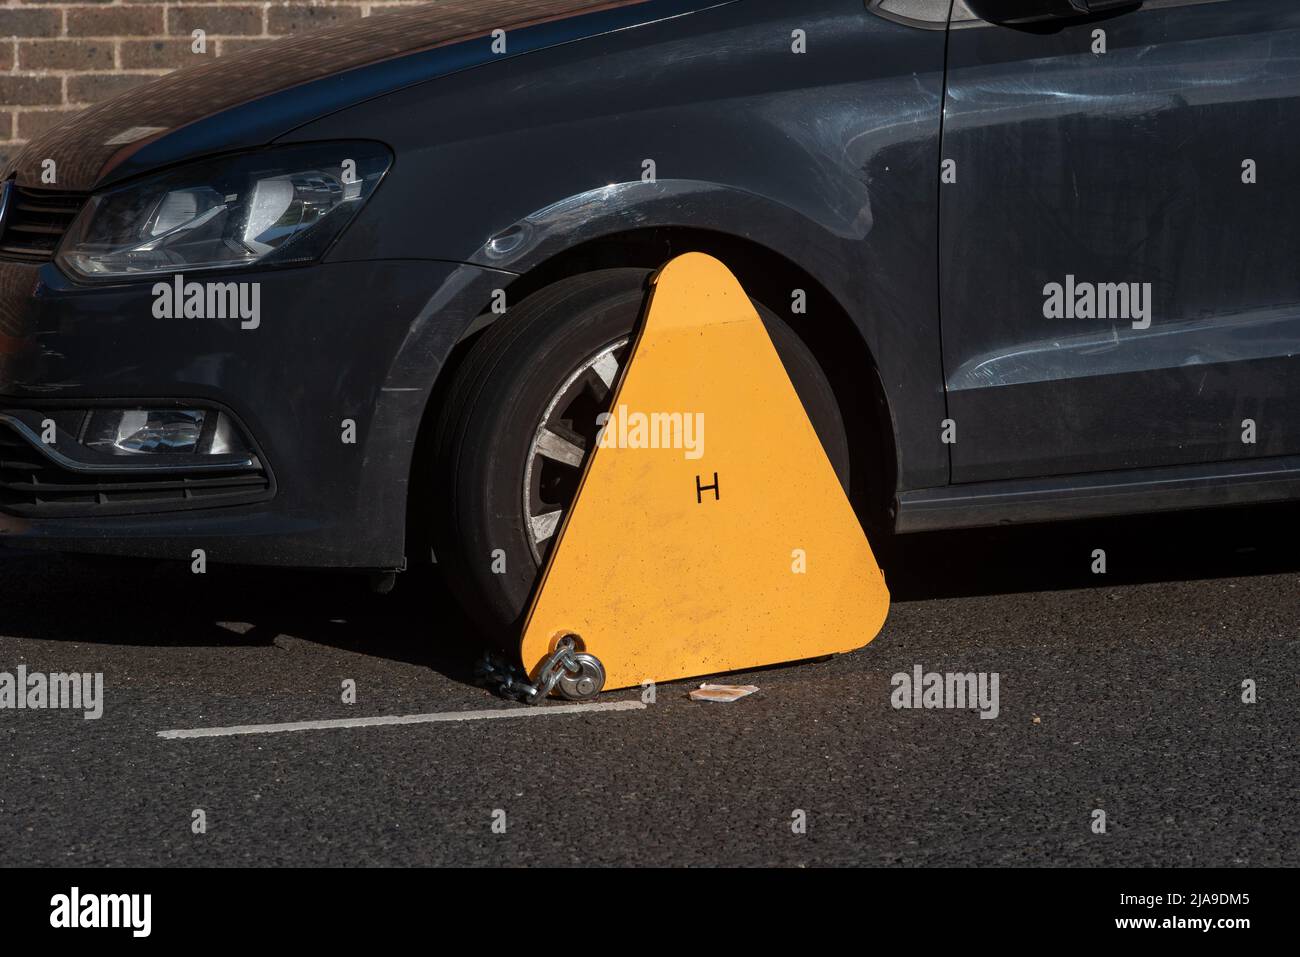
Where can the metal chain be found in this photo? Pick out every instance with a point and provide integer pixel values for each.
(553, 668)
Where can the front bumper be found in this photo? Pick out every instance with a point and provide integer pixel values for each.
(356, 343)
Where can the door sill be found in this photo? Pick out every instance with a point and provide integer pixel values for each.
(1098, 495)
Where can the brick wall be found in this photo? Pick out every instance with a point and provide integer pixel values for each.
(57, 58)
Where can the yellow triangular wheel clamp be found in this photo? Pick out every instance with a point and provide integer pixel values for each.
(660, 574)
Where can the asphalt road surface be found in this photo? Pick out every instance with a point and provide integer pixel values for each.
(1119, 693)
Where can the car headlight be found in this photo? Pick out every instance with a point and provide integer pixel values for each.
(271, 207)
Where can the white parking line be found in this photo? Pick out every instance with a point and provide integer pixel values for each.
(403, 719)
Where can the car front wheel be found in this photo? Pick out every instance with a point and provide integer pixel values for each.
(520, 421)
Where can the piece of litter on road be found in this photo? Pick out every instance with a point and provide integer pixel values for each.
(708, 692)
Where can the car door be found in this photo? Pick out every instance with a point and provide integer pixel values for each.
(1120, 234)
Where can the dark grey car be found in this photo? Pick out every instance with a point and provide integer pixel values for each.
(361, 295)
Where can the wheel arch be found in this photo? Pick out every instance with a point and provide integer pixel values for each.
(770, 277)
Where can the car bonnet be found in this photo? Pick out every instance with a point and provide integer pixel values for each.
(249, 99)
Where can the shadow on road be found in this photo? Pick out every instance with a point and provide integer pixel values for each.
(142, 603)
(1220, 543)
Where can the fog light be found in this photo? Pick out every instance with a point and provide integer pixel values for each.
(163, 431)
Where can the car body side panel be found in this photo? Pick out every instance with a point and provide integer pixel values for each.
(1126, 169)
(828, 158)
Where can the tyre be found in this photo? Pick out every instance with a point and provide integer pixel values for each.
(520, 419)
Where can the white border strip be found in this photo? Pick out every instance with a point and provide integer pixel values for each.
(433, 718)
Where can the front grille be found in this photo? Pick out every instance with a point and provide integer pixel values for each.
(35, 222)
(33, 485)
